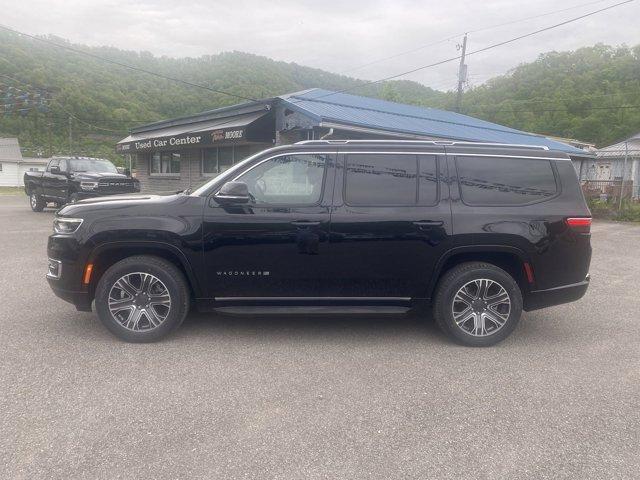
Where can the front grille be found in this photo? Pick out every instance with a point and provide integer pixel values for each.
(115, 185)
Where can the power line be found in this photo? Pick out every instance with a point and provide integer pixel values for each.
(556, 100)
(543, 110)
(452, 37)
(125, 65)
(484, 49)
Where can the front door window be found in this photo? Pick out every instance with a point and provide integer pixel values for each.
(286, 180)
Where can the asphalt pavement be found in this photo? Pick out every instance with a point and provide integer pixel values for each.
(317, 398)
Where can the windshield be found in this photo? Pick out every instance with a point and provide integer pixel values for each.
(92, 165)
(227, 173)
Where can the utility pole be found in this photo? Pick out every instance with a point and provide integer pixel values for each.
(462, 74)
(49, 126)
(624, 169)
(70, 136)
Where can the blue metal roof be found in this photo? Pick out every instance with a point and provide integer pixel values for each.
(346, 109)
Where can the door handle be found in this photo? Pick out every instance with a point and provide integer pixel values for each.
(305, 223)
(424, 224)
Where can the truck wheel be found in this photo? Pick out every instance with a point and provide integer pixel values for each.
(142, 298)
(477, 304)
(37, 202)
(73, 198)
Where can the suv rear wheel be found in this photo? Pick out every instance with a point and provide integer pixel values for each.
(142, 298)
(477, 304)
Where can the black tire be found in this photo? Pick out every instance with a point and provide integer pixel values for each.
(169, 276)
(37, 202)
(461, 276)
(73, 198)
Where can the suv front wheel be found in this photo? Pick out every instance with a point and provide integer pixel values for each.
(142, 298)
(478, 304)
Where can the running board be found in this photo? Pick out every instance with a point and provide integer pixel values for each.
(313, 310)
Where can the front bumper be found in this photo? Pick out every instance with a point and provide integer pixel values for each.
(556, 296)
(81, 299)
(65, 270)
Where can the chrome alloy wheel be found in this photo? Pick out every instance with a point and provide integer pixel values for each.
(34, 200)
(139, 301)
(481, 307)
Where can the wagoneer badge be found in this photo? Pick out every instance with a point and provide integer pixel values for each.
(243, 273)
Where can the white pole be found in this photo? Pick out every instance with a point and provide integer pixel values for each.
(624, 169)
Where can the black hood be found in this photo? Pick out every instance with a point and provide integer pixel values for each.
(99, 176)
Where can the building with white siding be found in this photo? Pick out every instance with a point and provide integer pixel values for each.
(13, 164)
(615, 163)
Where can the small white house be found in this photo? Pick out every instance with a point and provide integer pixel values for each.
(13, 164)
(609, 164)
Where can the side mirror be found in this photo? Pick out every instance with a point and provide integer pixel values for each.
(233, 192)
(56, 170)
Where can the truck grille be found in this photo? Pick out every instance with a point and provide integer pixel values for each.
(115, 185)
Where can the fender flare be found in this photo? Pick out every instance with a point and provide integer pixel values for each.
(184, 261)
(488, 248)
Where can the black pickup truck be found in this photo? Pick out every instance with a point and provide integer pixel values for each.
(69, 179)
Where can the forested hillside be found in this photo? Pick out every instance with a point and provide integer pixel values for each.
(591, 94)
(114, 98)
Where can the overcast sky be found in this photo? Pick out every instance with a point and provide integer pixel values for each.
(334, 35)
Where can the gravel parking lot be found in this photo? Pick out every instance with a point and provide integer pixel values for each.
(300, 398)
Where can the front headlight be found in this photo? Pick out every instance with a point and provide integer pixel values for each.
(88, 185)
(66, 225)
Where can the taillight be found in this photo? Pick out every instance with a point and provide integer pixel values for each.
(580, 224)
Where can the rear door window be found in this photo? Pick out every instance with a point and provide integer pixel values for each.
(505, 181)
(390, 179)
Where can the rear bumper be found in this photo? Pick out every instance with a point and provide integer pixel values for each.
(556, 296)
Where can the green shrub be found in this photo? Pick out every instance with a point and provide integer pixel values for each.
(609, 209)
(630, 212)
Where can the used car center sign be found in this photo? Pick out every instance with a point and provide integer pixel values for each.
(183, 140)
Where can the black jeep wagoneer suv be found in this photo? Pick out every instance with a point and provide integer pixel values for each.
(476, 232)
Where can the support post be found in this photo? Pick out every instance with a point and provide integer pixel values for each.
(624, 169)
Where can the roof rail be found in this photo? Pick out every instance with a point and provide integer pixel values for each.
(420, 142)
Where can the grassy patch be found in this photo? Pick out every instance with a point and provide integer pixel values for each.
(11, 191)
(630, 211)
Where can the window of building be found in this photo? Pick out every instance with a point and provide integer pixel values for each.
(210, 161)
(0, 167)
(218, 159)
(165, 163)
(225, 158)
(504, 181)
(287, 180)
(391, 180)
